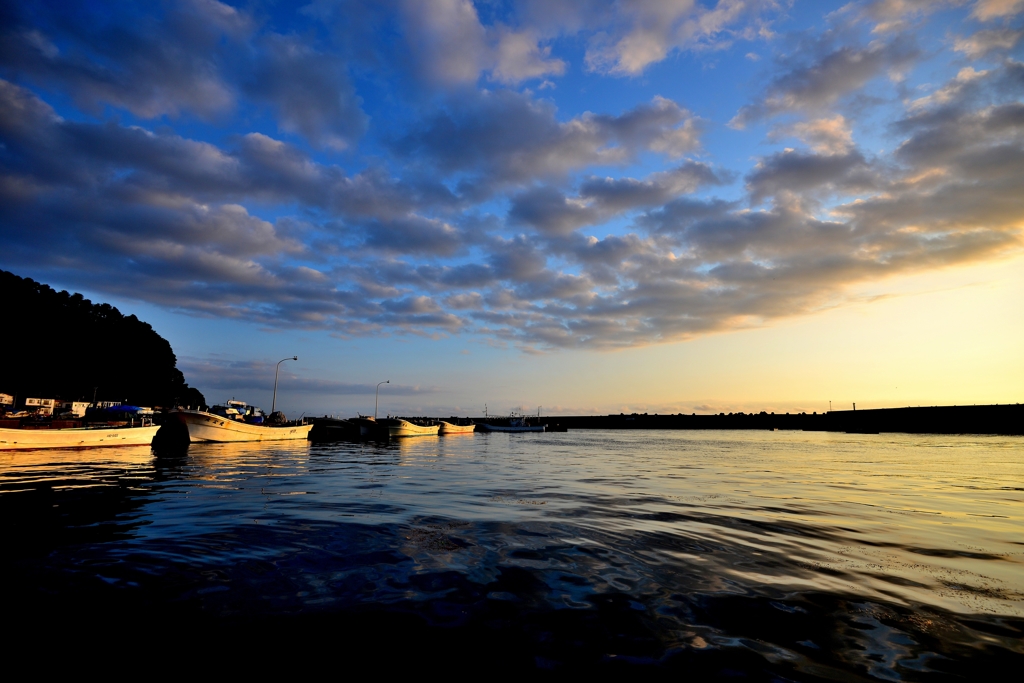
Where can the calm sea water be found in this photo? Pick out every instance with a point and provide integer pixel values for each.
(767, 555)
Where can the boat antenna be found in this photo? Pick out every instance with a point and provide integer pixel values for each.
(273, 404)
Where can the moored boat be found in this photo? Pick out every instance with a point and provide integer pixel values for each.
(333, 429)
(237, 421)
(452, 428)
(370, 428)
(78, 437)
(399, 427)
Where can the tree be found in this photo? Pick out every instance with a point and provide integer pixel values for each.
(60, 345)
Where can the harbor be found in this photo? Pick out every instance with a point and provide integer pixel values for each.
(635, 339)
(181, 426)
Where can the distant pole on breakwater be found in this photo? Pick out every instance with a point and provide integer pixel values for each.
(273, 404)
(377, 395)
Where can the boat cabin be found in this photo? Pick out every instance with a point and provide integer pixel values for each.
(239, 410)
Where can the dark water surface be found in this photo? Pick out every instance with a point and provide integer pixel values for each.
(772, 556)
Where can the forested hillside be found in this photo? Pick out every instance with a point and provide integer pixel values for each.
(59, 345)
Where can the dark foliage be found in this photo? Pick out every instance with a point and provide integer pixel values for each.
(60, 345)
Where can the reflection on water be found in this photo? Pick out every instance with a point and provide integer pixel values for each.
(792, 553)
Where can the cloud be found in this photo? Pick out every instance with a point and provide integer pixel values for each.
(986, 10)
(548, 210)
(982, 43)
(92, 200)
(451, 47)
(413, 234)
(966, 80)
(309, 89)
(504, 137)
(519, 57)
(196, 57)
(644, 33)
(799, 173)
(47, 152)
(829, 135)
(815, 87)
(600, 199)
(151, 65)
(470, 208)
(447, 38)
(896, 15)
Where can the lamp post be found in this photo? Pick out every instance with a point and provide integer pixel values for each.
(387, 381)
(273, 405)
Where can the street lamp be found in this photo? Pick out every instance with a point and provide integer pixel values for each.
(387, 381)
(273, 406)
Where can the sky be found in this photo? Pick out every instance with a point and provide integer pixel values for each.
(575, 207)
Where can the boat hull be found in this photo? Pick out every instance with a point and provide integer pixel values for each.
(203, 426)
(370, 428)
(85, 437)
(449, 428)
(397, 428)
(334, 429)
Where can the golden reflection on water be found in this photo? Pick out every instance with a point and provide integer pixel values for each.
(916, 519)
(66, 468)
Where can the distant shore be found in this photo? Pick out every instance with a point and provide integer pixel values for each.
(983, 419)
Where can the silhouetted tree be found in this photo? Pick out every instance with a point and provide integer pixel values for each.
(59, 345)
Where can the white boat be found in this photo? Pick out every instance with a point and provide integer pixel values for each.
(452, 428)
(399, 427)
(236, 422)
(77, 437)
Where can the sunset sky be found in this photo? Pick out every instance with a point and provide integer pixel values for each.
(591, 207)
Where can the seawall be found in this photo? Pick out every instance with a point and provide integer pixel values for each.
(985, 419)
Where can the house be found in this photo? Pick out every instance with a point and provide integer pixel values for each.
(43, 406)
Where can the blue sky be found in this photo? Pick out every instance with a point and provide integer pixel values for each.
(588, 206)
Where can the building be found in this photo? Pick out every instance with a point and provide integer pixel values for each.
(6, 400)
(43, 406)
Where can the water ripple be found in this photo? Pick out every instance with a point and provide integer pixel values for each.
(791, 554)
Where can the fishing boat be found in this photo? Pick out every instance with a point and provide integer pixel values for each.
(77, 437)
(333, 429)
(453, 428)
(370, 427)
(237, 421)
(399, 427)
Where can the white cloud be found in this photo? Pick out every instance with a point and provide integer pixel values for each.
(982, 43)
(645, 33)
(997, 9)
(519, 57)
(829, 135)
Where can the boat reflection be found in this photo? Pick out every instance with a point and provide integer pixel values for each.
(59, 459)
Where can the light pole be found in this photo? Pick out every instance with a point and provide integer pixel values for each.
(273, 405)
(387, 381)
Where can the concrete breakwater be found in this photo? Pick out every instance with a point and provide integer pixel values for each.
(984, 419)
